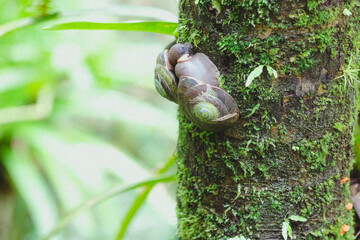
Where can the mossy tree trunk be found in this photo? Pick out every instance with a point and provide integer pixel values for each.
(292, 145)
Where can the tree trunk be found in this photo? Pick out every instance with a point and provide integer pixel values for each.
(292, 144)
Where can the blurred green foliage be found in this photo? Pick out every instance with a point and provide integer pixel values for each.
(78, 116)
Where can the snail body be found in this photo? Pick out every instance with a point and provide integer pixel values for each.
(191, 81)
(179, 50)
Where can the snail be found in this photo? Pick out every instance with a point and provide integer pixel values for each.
(191, 81)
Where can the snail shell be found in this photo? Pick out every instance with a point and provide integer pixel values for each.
(209, 107)
(200, 67)
(179, 50)
(165, 79)
(191, 81)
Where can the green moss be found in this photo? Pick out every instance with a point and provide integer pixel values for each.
(290, 149)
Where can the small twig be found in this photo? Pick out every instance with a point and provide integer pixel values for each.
(358, 233)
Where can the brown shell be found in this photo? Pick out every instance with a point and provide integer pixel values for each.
(177, 51)
(199, 67)
(207, 106)
(192, 82)
(165, 79)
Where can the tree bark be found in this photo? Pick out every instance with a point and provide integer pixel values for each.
(292, 144)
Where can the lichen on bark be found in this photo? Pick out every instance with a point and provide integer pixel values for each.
(292, 145)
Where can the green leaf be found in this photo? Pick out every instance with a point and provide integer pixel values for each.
(284, 231)
(24, 22)
(32, 186)
(271, 71)
(254, 74)
(140, 200)
(40, 110)
(347, 12)
(216, 5)
(253, 110)
(143, 26)
(132, 11)
(71, 215)
(297, 218)
(290, 232)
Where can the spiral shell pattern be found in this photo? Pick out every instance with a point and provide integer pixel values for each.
(209, 107)
(205, 111)
(165, 79)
